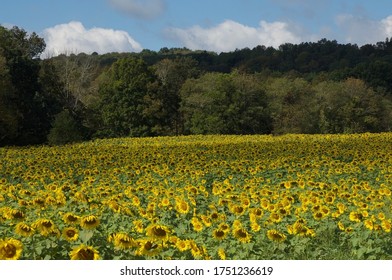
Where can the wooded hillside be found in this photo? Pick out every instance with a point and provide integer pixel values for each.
(312, 87)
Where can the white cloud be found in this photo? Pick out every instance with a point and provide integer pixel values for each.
(362, 30)
(231, 35)
(74, 37)
(386, 24)
(146, 9)
(7, 25)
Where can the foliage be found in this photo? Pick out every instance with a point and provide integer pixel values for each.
(24, 118)
(65, 129)
(224, 104)
(311, 87)
(121, 98)
(163, 99)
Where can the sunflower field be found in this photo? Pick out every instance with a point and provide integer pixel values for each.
(199, 197)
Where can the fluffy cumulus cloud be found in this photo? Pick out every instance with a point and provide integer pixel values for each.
(145, 9)
(73, 37)
(231, 35)
(362, 30)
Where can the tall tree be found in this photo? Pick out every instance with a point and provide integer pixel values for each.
(21, 51)
(8, 114)
(121, 103)
(163, 100)
(219, 103)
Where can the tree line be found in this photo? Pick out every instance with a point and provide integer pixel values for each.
(319, 87)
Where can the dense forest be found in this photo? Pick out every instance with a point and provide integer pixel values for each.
(312, 87)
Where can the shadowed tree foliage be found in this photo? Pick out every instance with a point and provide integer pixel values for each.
(163, 100)
(224, 104)
(121, 101)
(65, 129)
(311, 87)
(19, 52)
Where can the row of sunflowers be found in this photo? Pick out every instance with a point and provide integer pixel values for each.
(199, 197)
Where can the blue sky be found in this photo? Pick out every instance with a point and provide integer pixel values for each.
(215, 25)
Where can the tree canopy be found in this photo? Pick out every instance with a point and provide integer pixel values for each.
(311, 87)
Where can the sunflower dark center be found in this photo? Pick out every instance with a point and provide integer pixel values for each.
(159, 232)
(72, 218)
(9, 250)
(26, 228)
(70, 233)
(241, 233)
(47, 224)
(86, 254)
(91, 221)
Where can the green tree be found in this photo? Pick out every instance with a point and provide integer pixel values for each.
(163, 99)
(20, 52)
(350, 106)
(65, 129)
(288, 100)
(8, 114)
(121, 103)
(224, 104)
(204, 103)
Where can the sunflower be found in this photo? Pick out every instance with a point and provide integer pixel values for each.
(158, 232)
(221, 253)
(114, 206)
(310, 232)
(237, 210)
(197, 225)
(206, 220)
(237, 224)
(17, 214)
(275, 235)
(10, 249)
(341, 226)
(381, 216)
(70, 218)
(245, 202)
(386, 225)
(325, 210)
(368, 224)
(182, 245)
(138, 226)
(271, 207)
(329, 199)
(214, 216)
(84, 252)
(196, 251)
(147, 248)
(70, 234)
(252, 218)
(165, 202)
(255, 227)
(224, 227)
(123, 241)
(301, 229)
(355, 216)
(348, 230)
(24, 229)
(242, 235)
(275, 217)
(318, 215)
(135, 201)
(257, 212)
(264, 203)
(89, 222)
(45, 226)
(182, 207)
(219, 234)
